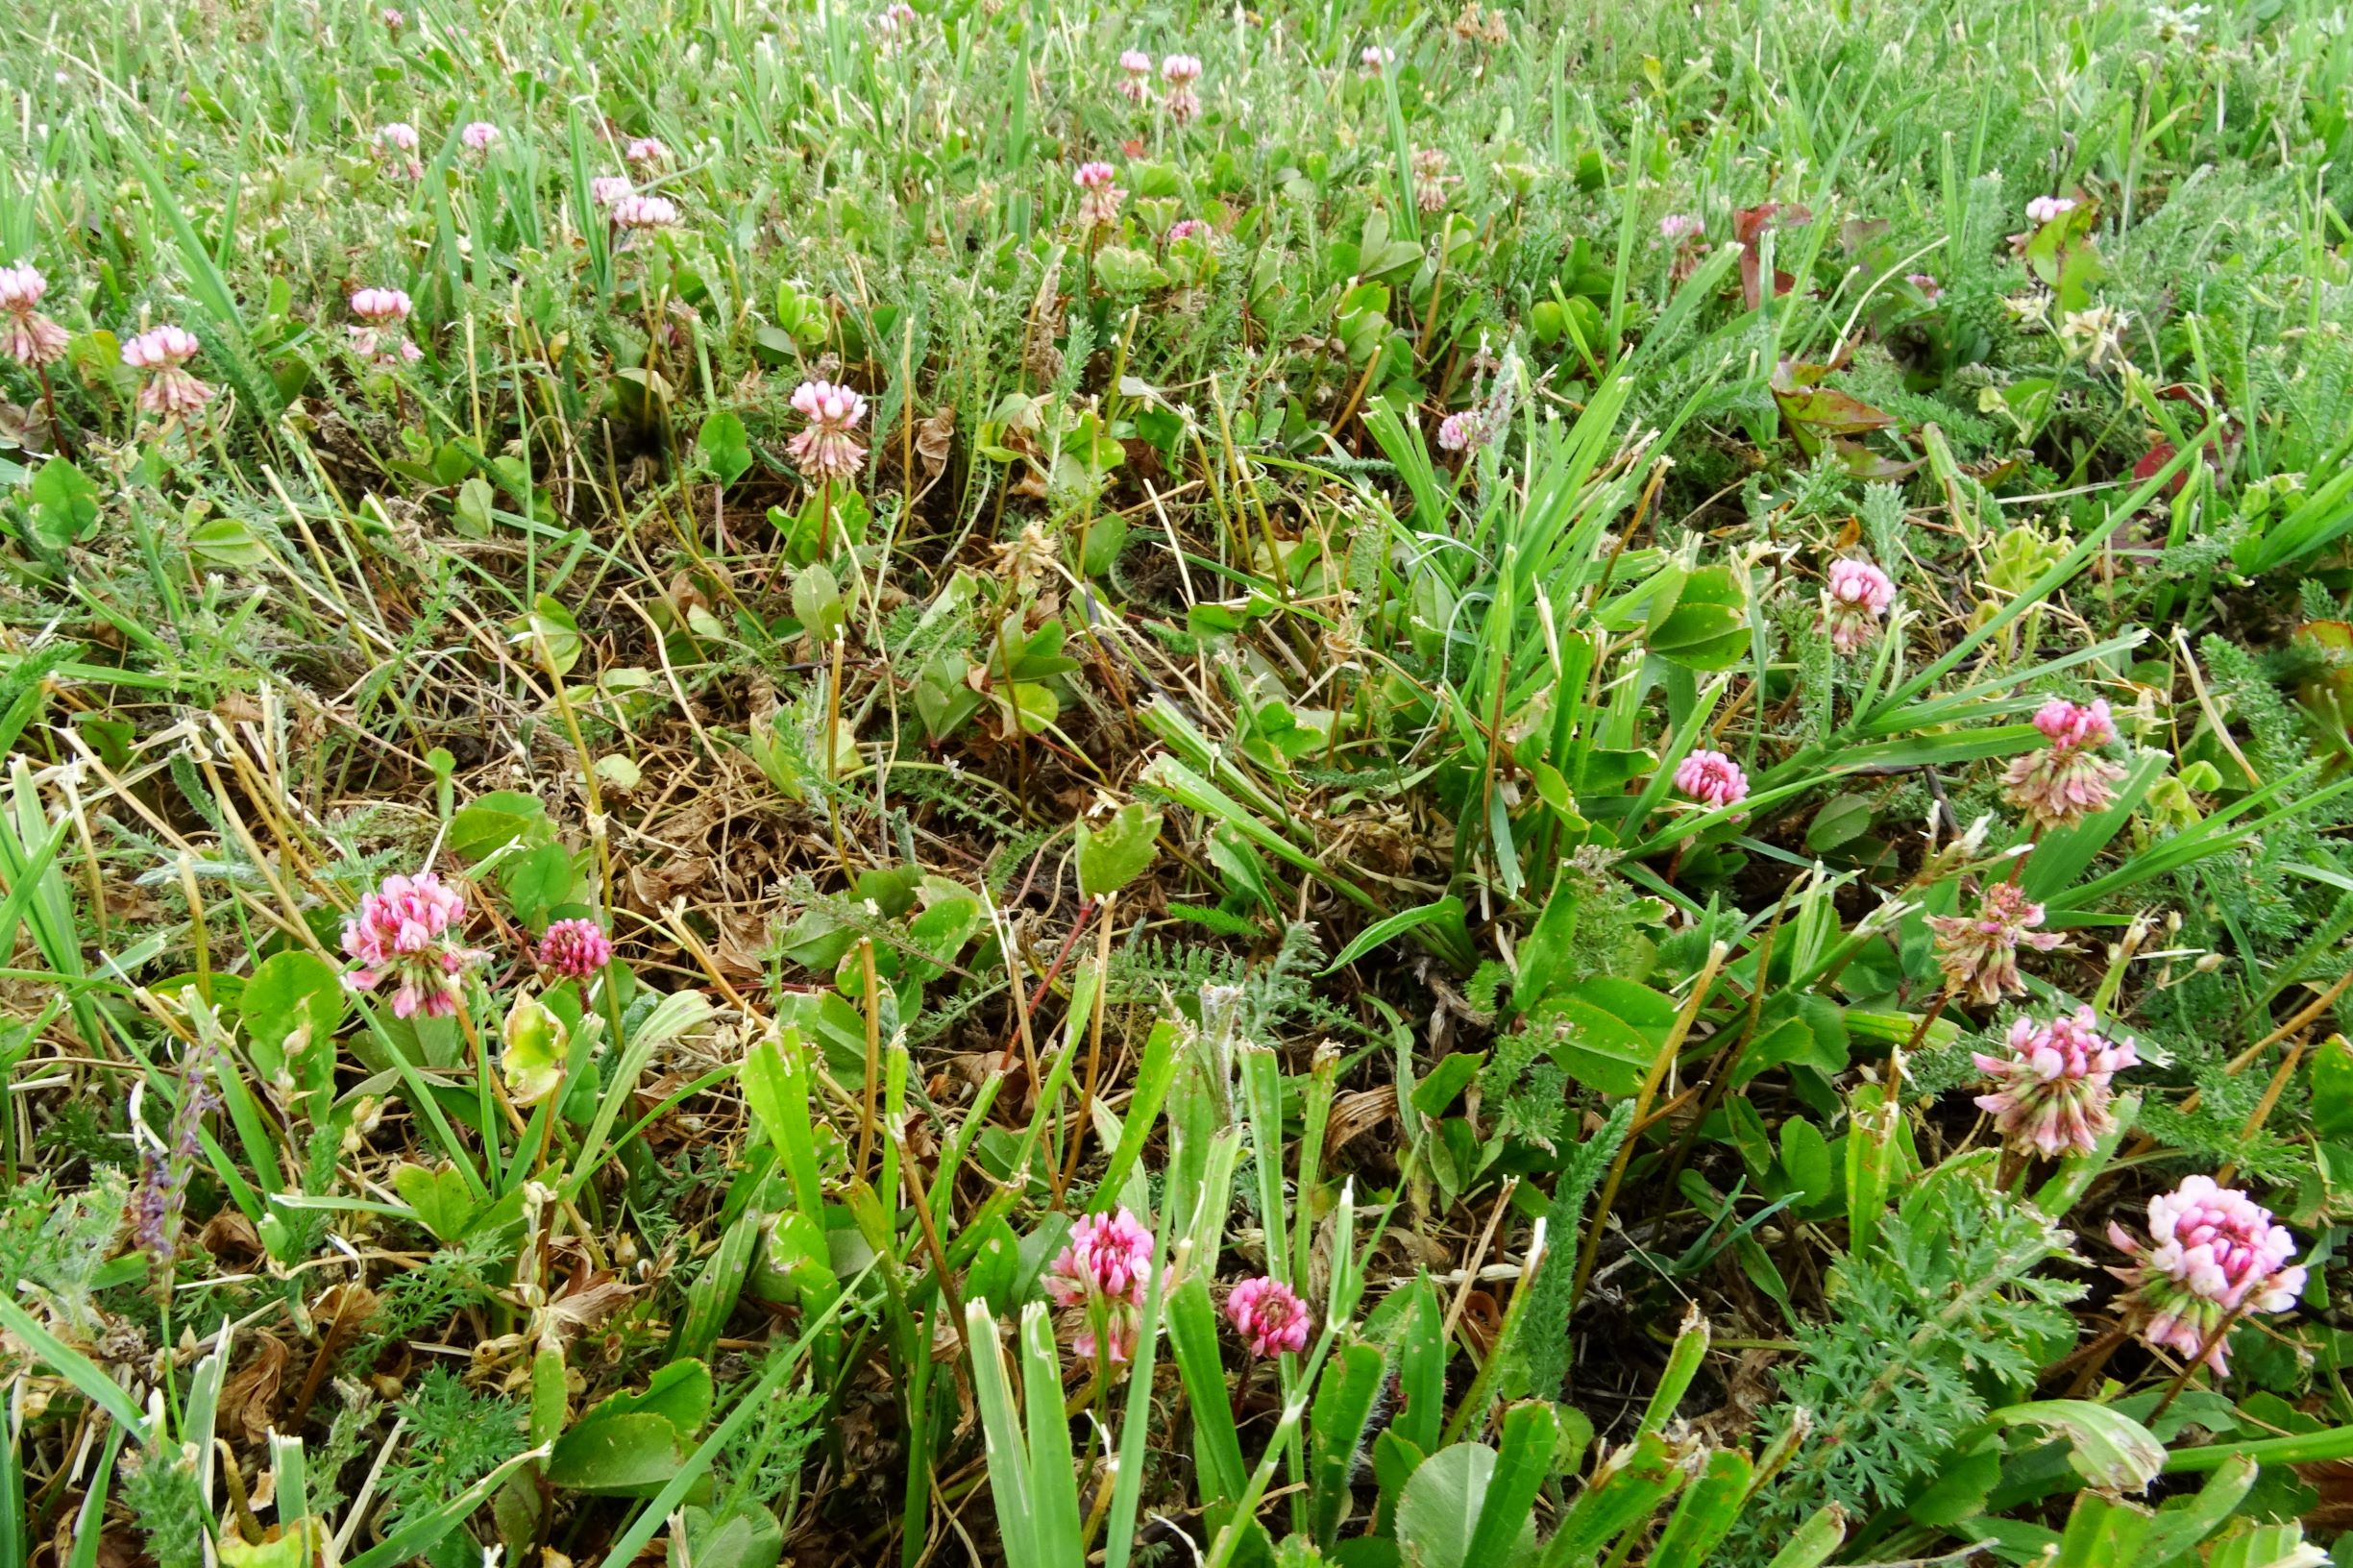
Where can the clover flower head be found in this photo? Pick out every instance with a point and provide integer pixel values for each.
(1465, 431)
(378, 336)
(480, 135)
(1269, 1315)
(2066, 780)
(1926, 284)
(1681, 226)
(1711, 779)
(25, 336)
(605, 189)
(170, 391)
(826, 450)
(1854, 595)
(409, 931)
(2075, 724)
(2213, 1253)
(1979, 953)
(395, 146)
(1135, 82)
(1189, 229)
(1099, 1279)
(647, 152)
(575, 949)
(1101, 195)
(2051, 1090)
(1430, 179)
(1182, 73)
(161, 347)
(1374, 59)
(381, 305)
(2044, 209)
(22, 287)
(641, 213)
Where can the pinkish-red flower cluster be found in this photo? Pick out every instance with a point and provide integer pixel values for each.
(1853, 597)
(409, 932)
(2214, 1254)
(2051, 1093)
(575, 949)
(1978, 952)
(1099, 1280)
(827, 449)
(1269, 1317)
(2068, 779)
(163, 353)
(1712, 778)
(25, 336)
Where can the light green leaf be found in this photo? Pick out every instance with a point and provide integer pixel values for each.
(817, 603)
(533, 1061)
(2108, 1449)
(725, 447)
(291, 1007)
(440, 1198)
(1112, 856)
(64, 504)
(1121, 270)
(548, 626)
(1438, 1510)
(617, 1456)
(1605, 1031)
(491, 821)
(2332, 1090)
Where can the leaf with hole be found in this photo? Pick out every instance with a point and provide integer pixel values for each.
(535, 1038)
(621, 1455)
(1112, 856)
(291, 1006)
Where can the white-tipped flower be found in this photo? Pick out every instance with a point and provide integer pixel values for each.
(640, 212)
(170, 391)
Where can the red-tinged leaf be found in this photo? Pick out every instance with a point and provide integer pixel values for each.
(2158, 456)
(1866, 464)
(1793, 375)
(1828, 411)
(1749, 225)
